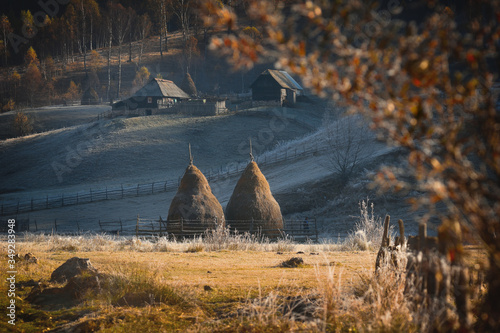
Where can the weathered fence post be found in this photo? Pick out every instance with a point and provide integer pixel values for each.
(36, 226)
(316, 230)
(137, 227)
(182, 225)
(422, 235)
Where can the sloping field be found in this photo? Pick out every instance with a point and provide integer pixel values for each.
(127, 151)
(133, 150)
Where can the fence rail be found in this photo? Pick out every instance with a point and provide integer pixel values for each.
(115, 193)
(299, 230)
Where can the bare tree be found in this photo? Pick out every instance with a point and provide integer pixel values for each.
(161, 16)
(182, 9)
(121, 23)
(348, 138)
(143, 29)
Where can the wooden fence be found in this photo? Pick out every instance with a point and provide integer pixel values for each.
(297, 230)
(120, 192)
(115, 227)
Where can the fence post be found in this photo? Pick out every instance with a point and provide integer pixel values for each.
(182, 225)
(78, 226)
(165, 187)
(121, 225)
(316, 229)
(122, 190)
(36, 226)
(152, 188)
(90, 195)
(137, 227)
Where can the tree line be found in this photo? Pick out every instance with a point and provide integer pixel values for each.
(41, 46)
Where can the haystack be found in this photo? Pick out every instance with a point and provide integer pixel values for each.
(194, 203)
(252, 200)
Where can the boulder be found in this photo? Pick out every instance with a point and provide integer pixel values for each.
(72, 267)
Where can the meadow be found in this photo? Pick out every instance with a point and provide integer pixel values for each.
(222, 282)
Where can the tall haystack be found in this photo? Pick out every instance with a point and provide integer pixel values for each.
(252, 200)
(194, 204)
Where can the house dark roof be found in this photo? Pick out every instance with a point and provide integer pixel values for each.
(161, 88)
(281, 77)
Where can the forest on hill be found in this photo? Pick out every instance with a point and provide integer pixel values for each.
(53, 51)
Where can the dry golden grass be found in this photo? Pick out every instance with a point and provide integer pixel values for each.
(196, 289)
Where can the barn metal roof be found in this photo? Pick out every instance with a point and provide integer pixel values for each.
(282, 78)
(161, 88)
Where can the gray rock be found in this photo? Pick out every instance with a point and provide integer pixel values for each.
(72, 267)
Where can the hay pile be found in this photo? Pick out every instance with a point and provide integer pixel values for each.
(252, 199)
(194, 201)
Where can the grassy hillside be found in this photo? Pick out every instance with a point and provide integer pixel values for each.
(133, 150)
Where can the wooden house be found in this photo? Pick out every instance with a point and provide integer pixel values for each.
(275, 85)
(156, 94)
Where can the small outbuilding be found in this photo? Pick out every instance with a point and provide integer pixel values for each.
(275, 85)
(156, 94)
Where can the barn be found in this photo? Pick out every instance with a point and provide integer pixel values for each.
(156, 94)
(275, 85)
